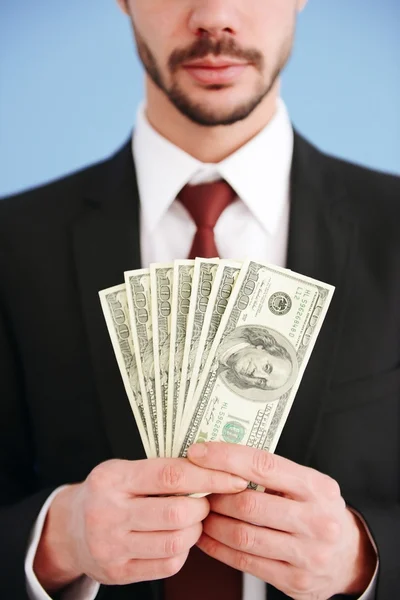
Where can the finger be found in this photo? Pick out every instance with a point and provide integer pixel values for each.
(251, 539)
(268, 470)
(136, 570)
(278, 574)
(160, 544)
(304, 519)
(275, 512)
(169, 476)
(165, 514)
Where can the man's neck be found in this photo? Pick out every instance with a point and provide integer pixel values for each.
(207, 144)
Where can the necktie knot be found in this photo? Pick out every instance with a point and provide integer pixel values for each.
(205, 203)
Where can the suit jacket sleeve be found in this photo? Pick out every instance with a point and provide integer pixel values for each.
(383, 522)
(20, 495)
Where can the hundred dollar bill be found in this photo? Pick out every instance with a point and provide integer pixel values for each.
(258, 357)
(181, 293)
(139, 302)
(203, 278)
(224, 282)
(115, 309)
(161, 277)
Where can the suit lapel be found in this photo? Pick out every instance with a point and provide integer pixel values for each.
(321, 241)
(322, 237)
(106, 243)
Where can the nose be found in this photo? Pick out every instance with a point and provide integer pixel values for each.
(214, 18)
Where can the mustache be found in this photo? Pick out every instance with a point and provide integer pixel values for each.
(206, 46)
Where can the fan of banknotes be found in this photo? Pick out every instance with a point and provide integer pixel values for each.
(213, 350)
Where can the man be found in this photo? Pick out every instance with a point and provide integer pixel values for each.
(212, 112)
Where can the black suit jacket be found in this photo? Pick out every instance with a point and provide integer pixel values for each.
(63, 407)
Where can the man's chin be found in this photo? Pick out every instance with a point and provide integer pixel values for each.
(213, 113)
(215, 105)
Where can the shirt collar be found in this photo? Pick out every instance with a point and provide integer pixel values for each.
(259, 171)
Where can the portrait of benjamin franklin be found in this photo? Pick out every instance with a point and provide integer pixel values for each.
(257, 363)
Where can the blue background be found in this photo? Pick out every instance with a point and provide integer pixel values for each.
(70, 84)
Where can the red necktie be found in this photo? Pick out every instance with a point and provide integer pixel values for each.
(202, 576)
(205, 204)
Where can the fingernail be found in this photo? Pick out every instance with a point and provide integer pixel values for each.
(239, 483)
(197, 451)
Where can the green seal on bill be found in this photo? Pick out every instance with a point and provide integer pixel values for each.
(233, 432)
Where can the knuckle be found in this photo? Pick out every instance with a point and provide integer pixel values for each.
(247, 504)
(244, 538)
(171, 477)
(99, 478)
(214, 480)
(331, 487)
(326, 528)
(332, 530)
(341, 504)
(175, 513)
(301, 582)
(320, 559)
(173, 544)
(303, 487)
(263, 463)
(173, 565)
(309, 484)
(212, 546)
(243, 562)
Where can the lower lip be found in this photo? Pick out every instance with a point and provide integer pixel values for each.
(216, 76)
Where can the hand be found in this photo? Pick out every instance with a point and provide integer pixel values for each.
(298, 536)
(111, 530)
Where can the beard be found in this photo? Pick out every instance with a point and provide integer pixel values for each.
(198, 112)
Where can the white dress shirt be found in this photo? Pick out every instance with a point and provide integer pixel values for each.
(255, 225)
